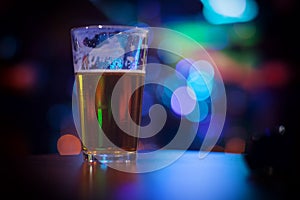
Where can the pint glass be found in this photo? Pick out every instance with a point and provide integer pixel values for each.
(109, 66)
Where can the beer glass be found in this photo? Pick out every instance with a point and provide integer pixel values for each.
(109, 66)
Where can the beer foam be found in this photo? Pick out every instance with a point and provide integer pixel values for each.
(110, 71)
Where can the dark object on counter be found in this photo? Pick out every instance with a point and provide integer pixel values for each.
(266, 152)
(269, 156)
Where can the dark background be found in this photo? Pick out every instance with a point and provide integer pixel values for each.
(36, 70)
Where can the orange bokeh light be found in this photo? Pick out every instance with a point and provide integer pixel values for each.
(235, 145)
(69, 144)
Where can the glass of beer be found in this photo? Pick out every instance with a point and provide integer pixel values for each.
(109, 66)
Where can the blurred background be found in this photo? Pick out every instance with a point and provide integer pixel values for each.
(254, 43)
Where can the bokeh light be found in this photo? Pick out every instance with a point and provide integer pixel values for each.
(230, 11)
(173, 82)
(23, 77)
(235, 139)
(199, 113)
(69, 144)
(245, 31)
(235, 145)
(209, 36)
(203, 67)
(184, 65)
(183, 100)
(202, 84)
(254, 45)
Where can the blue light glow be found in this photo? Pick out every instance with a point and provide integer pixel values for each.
(230, 11)
(214, 177)
(183, 66)
(230, 8)
(199, 113)
(201, 78)
(198, 83)
(173, 82)
(201, 67)
(148, 101)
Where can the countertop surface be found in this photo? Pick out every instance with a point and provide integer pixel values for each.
(216, 176)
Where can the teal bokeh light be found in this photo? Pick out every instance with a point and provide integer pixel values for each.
(230, 11)
(199, 113)
(202, 84)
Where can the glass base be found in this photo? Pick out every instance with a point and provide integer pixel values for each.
(110, 156)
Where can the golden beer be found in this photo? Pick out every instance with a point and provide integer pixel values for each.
(97, 104)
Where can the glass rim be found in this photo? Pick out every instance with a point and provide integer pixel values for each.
(108, 27)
